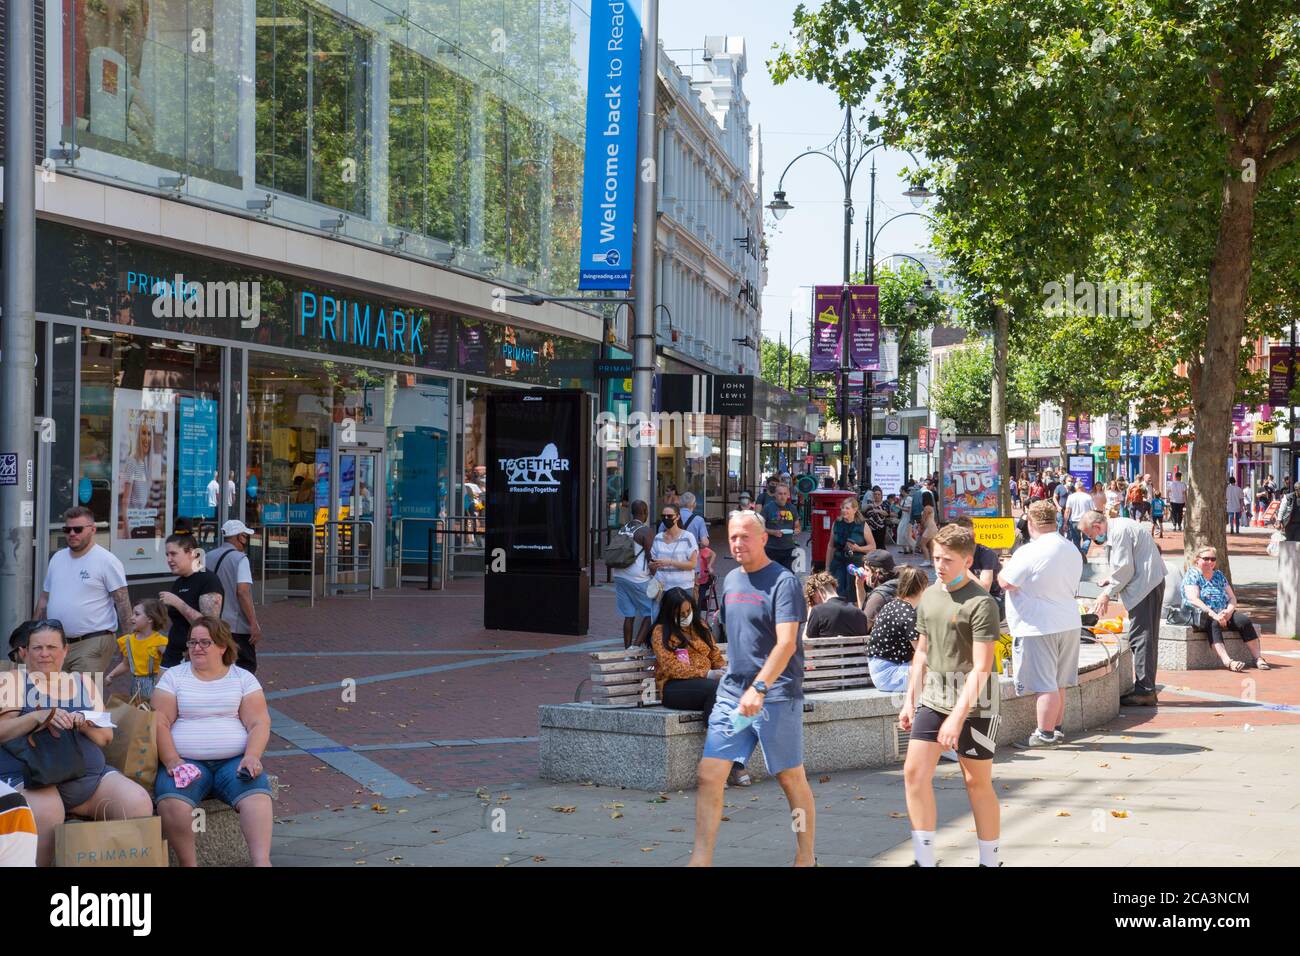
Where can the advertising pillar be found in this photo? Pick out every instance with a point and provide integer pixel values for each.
(538, 514)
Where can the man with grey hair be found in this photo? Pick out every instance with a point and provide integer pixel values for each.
(760, 699)
(1137, 577)
(692, 522)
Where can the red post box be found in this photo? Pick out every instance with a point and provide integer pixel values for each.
(826, 506)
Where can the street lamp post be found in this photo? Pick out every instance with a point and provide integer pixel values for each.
(841, 152)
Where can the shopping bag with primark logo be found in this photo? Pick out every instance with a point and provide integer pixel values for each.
(134, 842)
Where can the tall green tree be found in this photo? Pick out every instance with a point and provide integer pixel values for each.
(1173, 127)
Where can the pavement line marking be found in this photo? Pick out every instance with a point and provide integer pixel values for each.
(439, 668)
(1229, 699)
(361, 769)
(403, 745)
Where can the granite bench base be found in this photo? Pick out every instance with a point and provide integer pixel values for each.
(221, 841)
(653, 748)
(1183, 649)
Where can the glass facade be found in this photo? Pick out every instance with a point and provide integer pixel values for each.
(456, 123)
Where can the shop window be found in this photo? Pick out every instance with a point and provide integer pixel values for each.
(566, 213)
(428, 147)
(312, 104)
(514, 165)
(156, 81)
(149, 441)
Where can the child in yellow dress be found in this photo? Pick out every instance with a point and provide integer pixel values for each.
(142, 650)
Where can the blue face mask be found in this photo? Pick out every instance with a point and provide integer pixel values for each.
(1100, 539)
(955, 582)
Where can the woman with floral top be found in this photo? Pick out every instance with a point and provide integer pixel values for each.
(688, 663)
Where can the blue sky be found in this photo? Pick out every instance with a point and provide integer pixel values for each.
(806, 246)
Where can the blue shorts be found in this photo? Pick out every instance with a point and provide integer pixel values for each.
(888, 676)
(632, 599)
(217, 777)
(779, 730)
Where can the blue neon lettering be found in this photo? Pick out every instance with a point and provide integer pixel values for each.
(399, 329)
(303, 314)
(381, 330)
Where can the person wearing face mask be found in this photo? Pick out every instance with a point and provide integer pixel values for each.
(674, 553)
(1137, 577)
(952, 696)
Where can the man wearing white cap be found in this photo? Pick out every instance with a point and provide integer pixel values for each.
(230, 563)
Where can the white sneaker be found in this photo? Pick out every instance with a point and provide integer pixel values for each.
(1036, 740)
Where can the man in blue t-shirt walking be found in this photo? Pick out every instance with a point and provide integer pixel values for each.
(760, 700)
(781, 523)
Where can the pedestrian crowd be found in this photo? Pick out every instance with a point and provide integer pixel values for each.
(190, 654)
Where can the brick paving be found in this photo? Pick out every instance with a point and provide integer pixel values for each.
(470, 694)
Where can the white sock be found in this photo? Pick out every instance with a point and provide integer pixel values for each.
(989, 852)
(923, 846)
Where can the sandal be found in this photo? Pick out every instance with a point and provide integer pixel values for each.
(1236, 666)
(1263, 664)
(739, 777)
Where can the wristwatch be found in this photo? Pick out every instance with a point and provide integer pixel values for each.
(760, 686)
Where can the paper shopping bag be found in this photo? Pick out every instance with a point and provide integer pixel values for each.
(134, 842)
(134, 748)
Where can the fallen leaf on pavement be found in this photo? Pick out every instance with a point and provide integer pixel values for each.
(1119, 813)
(726, 819)
(358, 862)
(403, 811)
(615, 815)
(1103, 765)
(1062, 813)
(539, 859)
(392, 859)
(647, 849)
(896, 815)
(825, 778)
(676, 830)
(564, 809)
(378, 808)
(859, 798)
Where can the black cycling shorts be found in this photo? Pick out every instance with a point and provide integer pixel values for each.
(978, 738)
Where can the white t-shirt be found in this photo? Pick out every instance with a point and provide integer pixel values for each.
(1177, 492)
(1046, 574)
(1079, 504)
(207, 723)
(1234, 498)
(679, 550)
(214, 489)
(81, 590)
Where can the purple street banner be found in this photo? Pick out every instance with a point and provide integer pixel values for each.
(1279, 360)
(827, 309)
(864, 326)
(1238, 414)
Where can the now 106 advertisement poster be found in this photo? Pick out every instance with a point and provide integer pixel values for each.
(970, 482)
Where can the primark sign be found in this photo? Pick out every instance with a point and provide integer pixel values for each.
(609, 167)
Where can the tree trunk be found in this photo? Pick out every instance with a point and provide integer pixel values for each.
(1214, 389)
(998, 402)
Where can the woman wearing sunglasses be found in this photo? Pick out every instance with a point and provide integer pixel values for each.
(1206, 589)
(213, 728)
(46, 696)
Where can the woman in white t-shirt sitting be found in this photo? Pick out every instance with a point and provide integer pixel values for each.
(213, 727)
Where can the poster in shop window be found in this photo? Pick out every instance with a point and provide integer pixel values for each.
(140, 518)
(970, 481)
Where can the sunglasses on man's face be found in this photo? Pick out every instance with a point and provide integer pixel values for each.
(77, 529)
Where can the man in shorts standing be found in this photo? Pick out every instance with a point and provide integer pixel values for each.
(1040, 581)
(762, 607)
(952, 696)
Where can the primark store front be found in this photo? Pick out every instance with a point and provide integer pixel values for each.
(343, 424)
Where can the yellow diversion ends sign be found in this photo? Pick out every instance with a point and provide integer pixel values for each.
(996, 533)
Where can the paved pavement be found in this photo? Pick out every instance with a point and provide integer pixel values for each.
(408, 703)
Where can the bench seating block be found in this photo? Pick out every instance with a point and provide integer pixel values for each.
(221, 841)
(1183, 649)
(656, 749)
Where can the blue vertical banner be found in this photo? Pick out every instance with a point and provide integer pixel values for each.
(198, 456)
(609, 170)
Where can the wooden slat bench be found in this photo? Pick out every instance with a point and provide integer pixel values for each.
(835, 663)
(626, 678)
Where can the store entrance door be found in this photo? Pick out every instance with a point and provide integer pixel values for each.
(356, 524)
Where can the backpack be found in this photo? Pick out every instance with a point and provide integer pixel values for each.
(621, 550)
